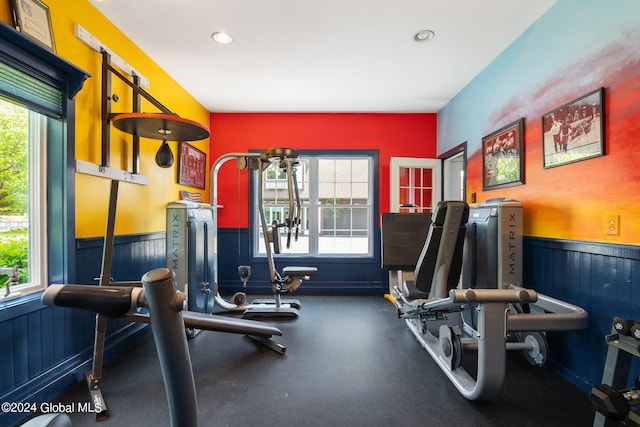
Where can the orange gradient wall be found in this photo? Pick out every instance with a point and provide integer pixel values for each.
(574, 201)
(577, 47)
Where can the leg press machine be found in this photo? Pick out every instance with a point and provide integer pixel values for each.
(487, 311)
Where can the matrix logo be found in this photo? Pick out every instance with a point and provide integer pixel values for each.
(513, 243)
(175, 241)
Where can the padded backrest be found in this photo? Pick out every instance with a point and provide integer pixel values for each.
(425, 268)
(403, 237)
(458, 255)
(449, 259)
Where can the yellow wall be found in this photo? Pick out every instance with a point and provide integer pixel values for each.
(140, 208)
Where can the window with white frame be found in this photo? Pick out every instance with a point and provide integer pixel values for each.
(22, 200)
(336, 194)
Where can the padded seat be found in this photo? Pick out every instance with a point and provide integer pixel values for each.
(299, 271)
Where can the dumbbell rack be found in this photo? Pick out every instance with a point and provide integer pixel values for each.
(622, 349)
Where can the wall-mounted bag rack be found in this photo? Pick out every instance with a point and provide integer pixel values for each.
(165, 126)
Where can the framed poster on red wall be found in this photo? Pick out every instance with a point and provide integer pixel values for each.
(192, 167)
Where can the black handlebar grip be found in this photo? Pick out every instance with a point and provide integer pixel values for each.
(110, 301)
(275, 237)
(634, 331)
(622, 325)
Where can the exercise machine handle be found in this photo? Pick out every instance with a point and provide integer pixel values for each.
(110, 301)
(296, 193)
(275, 236)
(290, 220)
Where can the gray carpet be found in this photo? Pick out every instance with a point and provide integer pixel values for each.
(350, 362)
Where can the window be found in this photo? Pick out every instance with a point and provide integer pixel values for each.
(45, 85)
(337, 200)
(22, 203)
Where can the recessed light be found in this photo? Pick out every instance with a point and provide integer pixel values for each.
(424, 35)
(222, 37)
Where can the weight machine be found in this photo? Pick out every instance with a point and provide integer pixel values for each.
(616, 404)
(165, 303)
(488, 312)
(164, 126)
(291, 277)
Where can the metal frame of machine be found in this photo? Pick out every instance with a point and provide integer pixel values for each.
(291, 277)
(449, 319)
(165, 304)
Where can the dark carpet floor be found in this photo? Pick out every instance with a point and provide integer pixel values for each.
(349, 362)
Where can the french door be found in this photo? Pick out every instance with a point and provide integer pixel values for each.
(415, 184)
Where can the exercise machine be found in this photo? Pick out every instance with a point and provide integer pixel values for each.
(164, 126)
(144, 124)
(164, 303)
(615, 403)
(450, 318)
(190, 253)
(189, 243)
(291, 277)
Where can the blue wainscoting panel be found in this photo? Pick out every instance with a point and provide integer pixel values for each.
(47, 349)
(336, 275)
(604, 279)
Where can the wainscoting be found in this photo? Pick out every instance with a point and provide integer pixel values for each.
(47, 349)
(336, 275)
(604, 279)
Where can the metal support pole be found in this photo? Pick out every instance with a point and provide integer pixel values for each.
(164, 305)
(106, 106)
(213, 177)
(135, 161)
(94, 377)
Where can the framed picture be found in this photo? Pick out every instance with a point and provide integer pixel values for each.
(574, 131)
(192, 167)
(503, 157)
(32, 18)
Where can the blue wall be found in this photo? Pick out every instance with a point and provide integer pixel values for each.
(602, 279)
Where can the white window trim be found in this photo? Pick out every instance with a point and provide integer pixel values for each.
(37, 217)
(313, 208)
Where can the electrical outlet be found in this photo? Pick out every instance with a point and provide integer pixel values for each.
(613, 225)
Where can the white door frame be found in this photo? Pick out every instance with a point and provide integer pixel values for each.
(412, 162)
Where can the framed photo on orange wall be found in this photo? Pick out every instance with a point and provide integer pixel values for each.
(574, 131)
(503, 157)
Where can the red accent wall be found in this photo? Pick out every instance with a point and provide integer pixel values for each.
(393, 135)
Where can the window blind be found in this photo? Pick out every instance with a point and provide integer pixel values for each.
(30, 91)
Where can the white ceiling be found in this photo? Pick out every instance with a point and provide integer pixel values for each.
(322, 56)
